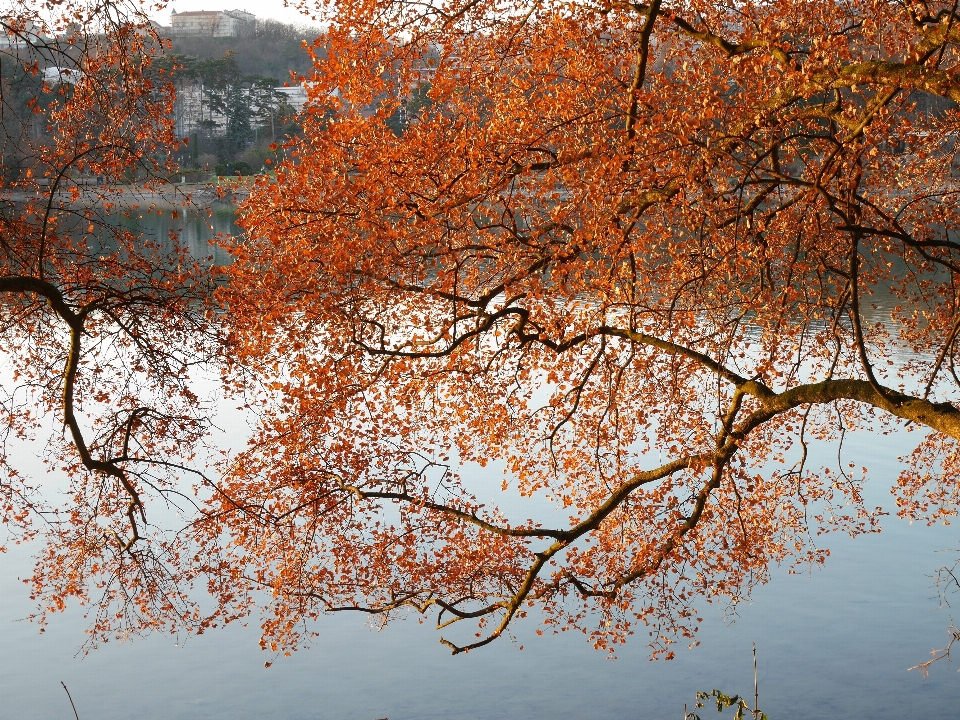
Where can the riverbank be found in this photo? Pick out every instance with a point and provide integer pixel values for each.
(168, 196)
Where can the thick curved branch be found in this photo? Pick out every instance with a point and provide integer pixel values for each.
(728, 48)
(942, 417)
(75, 321)
(50, 292)
(640, 68)
(855, 312)
(76, 433)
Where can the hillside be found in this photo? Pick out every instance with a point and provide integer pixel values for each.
(274, 50)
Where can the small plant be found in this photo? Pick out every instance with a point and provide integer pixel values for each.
(725, 701)
(731, 701)
(947, 583)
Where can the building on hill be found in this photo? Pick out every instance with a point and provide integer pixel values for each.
(161, 30)
(212, 23)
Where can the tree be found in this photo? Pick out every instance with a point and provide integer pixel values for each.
(99, 326)
(263, 100)
(628, 253)
(238, 99)
(634, 253)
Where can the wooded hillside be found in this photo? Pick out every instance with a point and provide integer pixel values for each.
(274, 50)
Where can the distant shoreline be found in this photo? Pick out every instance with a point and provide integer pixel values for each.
(174, 196)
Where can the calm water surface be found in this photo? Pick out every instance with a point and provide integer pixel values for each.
(834, 643)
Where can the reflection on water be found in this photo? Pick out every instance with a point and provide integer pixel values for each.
(834, 643)
(193, 228)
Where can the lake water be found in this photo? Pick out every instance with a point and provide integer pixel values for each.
(834, 643)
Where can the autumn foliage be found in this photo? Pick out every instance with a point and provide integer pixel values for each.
(631, 260)
(99, 325)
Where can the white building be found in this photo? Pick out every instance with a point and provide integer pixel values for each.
(296, 96)
(212, 23)
(192, 112)
(56, 75)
